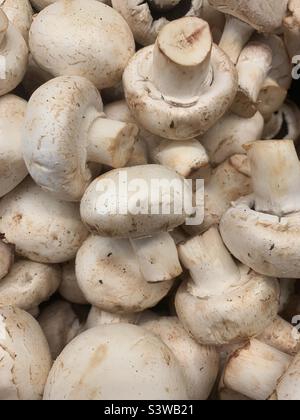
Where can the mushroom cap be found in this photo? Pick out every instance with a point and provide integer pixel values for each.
(19, 12)
(42, 228)
(243, 312)
(200, 364)
(116, 361)
(12, 167)
(62, 45)
(55, 136)
(69, 288)
(102, 218)
(24, 354)
(109, 275)
(288, 387)
(264, 16)
(28, 284)
(170, 120)
(144, 25)
(268, 244)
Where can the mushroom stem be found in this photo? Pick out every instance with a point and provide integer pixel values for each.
(275, 172)
(255, 369)
(181, 60)
(111, 142)
(211, 267)
(235, 36)
(3, 26)
(158, 257)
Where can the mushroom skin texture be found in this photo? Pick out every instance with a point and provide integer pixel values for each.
(141, 18)
(65, 128)
(19, 13)
(148, 369)
(291, 28)
(109, 276)
(288, 387)
(6, 258)
(262, 230)
(24, 354)
(12, 167)
(42, 228)
(200, 364)
(29, 284)
(179, 87)
(222, 302)
(97, 317)
(61, 44)
(69, 288)
(14, 55)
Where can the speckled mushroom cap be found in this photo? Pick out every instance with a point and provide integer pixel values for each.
(12, 167)
(146, 22)
(13, 54)
(109, 275)
(83, 38)
(19, 12)
(118, 361)
(24, 354)
(42, 228)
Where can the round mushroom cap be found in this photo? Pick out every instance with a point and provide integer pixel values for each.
(28, 284)
(69, 288)
(269, 244)
(82, 38)
(56, 135)
(119, 361)
(12, 167)
(153, 201)
(229, 318)
(109, 276)
(24, 354)
(42, 228)
(19, 12)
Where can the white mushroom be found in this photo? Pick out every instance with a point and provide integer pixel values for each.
(291, 27)
(12, 167)
(288, 386)
(65, 128)
(119, 361)
(262, 230)
(28, 284)
(82, 38)
(222, 302)
(69, 288)
(19, 13)
(199, 364)
(179, 87)
(24, 354)
(13, 56)
(42, 228)
(6, 258)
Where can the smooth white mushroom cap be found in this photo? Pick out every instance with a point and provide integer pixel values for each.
(12, 167)
(62, 45)
(118, 361)
(69, 288)
(19, 12)
(24, 354)
(28, 284)
(42, 228)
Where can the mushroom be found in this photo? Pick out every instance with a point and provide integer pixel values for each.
(65, 128)
(261, 230)
(97, 317)
(288, 386)
(284, 124)
(13, 55)
(19, 13)
(109, 275)
(145, 369)
(28, 284)
(12, 167)
(199, 364)
(61, 44)
(291, 28)
(222, 302)
(42, 228)
(228, 136)
(146, 19)
(69, 288)
(60, 324)
(179, 87)
(6, 258)
(142, 203)
(24, 354)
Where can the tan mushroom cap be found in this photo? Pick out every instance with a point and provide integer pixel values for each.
(42, 228)
(62, 45)
(24, 354)
(19, 12)
(118, 361)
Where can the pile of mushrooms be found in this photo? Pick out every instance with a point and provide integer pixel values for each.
(149, 200)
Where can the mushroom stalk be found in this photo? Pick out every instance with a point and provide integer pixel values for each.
(210, 265)
(276, 176)
(3, 26)
(235, 36)
(180, 74)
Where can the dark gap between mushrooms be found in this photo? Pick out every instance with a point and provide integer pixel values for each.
(176, 12)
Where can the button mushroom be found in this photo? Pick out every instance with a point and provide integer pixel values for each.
(19, 13)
